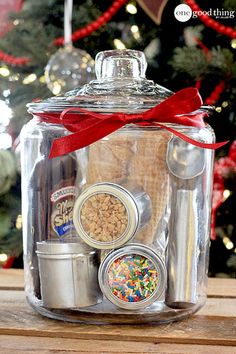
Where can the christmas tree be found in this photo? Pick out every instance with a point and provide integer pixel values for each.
(197, 52)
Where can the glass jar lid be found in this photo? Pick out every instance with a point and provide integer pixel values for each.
(120, 86)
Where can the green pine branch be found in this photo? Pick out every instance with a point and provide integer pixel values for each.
(229, 5)
(196, 63)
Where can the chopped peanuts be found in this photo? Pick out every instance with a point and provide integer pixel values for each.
(104, 217)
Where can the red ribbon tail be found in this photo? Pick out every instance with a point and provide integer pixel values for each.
(64, 145)
(182, 102)
(84, 137)
(212, 146)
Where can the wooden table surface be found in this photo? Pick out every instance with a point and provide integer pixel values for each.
(211, 330)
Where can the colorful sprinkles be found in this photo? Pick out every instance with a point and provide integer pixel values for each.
(133, 278)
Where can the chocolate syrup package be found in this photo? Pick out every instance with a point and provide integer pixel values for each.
(52, 193)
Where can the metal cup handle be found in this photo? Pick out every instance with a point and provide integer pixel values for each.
(182, 250)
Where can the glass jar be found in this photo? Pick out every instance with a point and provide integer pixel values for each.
(116, 231)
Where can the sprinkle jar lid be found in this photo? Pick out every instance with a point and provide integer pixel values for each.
(106, 216)
(132, 277)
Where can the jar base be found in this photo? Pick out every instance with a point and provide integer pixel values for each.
(99, 314)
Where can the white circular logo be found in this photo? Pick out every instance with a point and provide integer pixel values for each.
(183, 13)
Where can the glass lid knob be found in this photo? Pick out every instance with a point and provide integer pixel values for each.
(120, 64)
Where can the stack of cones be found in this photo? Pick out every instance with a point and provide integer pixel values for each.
(148, 169)
(136, 158)
(109, 159)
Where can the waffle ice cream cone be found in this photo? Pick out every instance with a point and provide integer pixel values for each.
(148, 169)
(137, 159)
(109, 159)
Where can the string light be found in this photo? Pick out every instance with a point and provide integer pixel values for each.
(29, 79)
(56, 88)
(14, 77)
(16, 22)
(225, 104)
(6, 114)
(131, 8)
(42, 79)
(4, 71)
(6, 93)
(218, 109)
(19, 222)
(229, 245)
(225, 240)
(233, 43)
(119, 44)
(3, 257)
(135, 31)
(5, 141)
(226, 194)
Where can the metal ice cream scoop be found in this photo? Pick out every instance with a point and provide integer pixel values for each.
(185, 162)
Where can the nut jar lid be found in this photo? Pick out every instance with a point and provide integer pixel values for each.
(120, 86)
(132, 277)
(106, 215)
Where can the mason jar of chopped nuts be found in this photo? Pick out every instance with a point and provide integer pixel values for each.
(107, 215)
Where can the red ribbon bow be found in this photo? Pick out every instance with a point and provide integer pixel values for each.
(88, 127)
